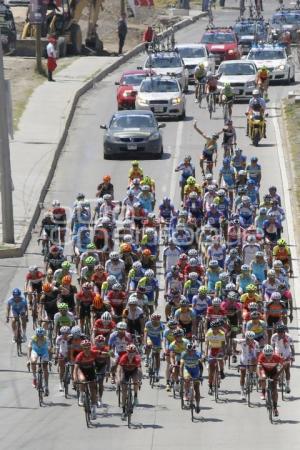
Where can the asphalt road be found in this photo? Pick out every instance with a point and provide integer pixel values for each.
(158, 423)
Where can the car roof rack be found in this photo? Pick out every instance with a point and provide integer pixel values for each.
(213, 28)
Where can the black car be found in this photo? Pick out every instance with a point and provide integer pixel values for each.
(249, 32)
(132, 132)
(8, 34)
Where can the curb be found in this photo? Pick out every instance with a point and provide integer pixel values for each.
(19, 250)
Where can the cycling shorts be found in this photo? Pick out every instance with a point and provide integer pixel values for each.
(43, 355)
(85, 311)
(88, 373)
(272, 321)
(154, 341)
(207, 156)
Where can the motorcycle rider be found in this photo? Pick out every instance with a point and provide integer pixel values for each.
(256, 105)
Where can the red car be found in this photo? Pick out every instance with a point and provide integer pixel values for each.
(222, 43)
(128, 87)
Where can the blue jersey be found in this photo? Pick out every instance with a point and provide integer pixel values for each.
(228, 175)
(19, 307)
(191, 359)
(41, 348)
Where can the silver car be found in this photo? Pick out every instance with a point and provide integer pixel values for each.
(240, 74)
(193, 55)
(162, 95)
(169, 63)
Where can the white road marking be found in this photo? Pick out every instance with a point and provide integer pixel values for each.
(174, 177)
(289, 215)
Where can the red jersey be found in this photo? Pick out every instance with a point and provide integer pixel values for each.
(198, 269)
(86, 361)
(132, 364)
(85, 299)
(99, 278)
(59, 213)
(116, 299)
(213, 314)
(270, 363)
(35, 277)
(100, 328)
(101, 356)
(148, 35)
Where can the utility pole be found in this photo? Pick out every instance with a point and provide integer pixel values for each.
(5, 168)
(38, 49)
(122, 7)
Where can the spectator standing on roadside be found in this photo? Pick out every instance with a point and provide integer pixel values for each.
(122, 32)
(148, 37)
(51, 57)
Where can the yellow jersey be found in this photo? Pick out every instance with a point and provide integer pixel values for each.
(215, 340)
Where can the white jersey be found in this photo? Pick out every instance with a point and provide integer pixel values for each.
(115, 269)
(249, 352)
(171, 256)
(135, 314)
(249, 251)
(62, 346)
(282, 346)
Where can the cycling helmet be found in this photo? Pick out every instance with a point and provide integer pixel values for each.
(221, 193)
(127, 238)
(178, 332)
(213, 264)
(275, 296)
(193, 262)
(85, 343)
(66, 265)
(263, 211)
(193, 195)
(281, 242)
(277, 264)
(137, 265)
(245, 268)
(184, 301)
(150, 231)
(47, 287)
(232, 295)
(32, 269)
(121, 326)
(54, 249)
(233, 252)
(131, 348)
(62, 307)
(132, 302)
(203, 290)
(249, 335)
(216, 301)
(254, 315)
(76, 331)
(114, 255)
(193, 276)
(146, 252)
(190, 346)
(226, 161)
(91, 246)
(135, 163)
(172, 323)
(251, 288)
(253, 306)
(40, 331)
(87, 286)
(271, 273)
(214, 324)
(16, 292)
(224, 276)
(67, 279)
(255, 92)
(100, 339)
(191, 181)
(90, 261)
(183, 257)
(117, 287)
(64, 330)
(111, 279)
(155, 317)
(268, 350)
(97, 302)
(259, 254)
(281, 328)
(230, 287)
(149, 273)
(106, 317)
(125, 248)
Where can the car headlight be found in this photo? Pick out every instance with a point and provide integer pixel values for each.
(154, 136)
(176, 100)
(250, 84)
(232, 51)
(281, 67)
(113, 139)
(142, 101)
(127, 93)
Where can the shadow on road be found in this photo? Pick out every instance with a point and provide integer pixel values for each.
(18, 407)
(210, 419)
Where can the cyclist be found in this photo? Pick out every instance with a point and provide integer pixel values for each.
(106, 187)
(168, 338)
(63, 271)
(256, 105)
(191, 370)
(200, 79)
(262, 81)
(248, 357)
(104, 326)
(209, 153)
(136, 172)
(283, 345)
(55, 258)
(39, 347)
(270, 365)
(102, 364)
(48, 302)
(118, 341)
(254, 170)
(133, 314)
(84, 370)
(186, 317)
(227, 96)
(34, 282)
(187, 169)
(171, 254)
(215, 348)
(150, 283)
(115, 266)
(177, 347)
(63, 318)
(258, 326)
(17, 304)
(229, 138)
(282, 252)
(153, 334)
(227, 174)
(129, 367)
(211, 85)
(62, 353)
(60, 219)
(275, 310)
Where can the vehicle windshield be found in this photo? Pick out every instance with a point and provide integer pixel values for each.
(218, 38)
(133, 79)
(131, 121)
(163, 62)
(237, 69)
(260, 55)
(286, 19)
(244, 29)
(154, 85)
(192, 52)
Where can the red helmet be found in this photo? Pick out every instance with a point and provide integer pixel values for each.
(131, 348)
(106, 178)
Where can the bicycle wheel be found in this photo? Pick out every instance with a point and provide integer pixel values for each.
(87, 407)
(248, 388)
(129, 405)
(282, 385)
(210, 106)
(216, 384)
(19, 339)
(87, 327)
(181, 394)
(225, 112)
(192, 408)
(40, 387)
(66, 380)
(270, 405)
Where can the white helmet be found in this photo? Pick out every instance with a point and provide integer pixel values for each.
(121, 326)
(106, 317)
(268, 350)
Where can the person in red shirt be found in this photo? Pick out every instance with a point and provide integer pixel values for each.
(104, 326)
(269, 365)
(102, 364)
(98, 277)
(129, 367)
(117, 299)
(214, 312)
(34, 282)
(84, 370)
(60, 219)
(182, 262)
(193, 266)
(148, 37)
(84, 301)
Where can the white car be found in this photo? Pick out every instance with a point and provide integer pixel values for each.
(162, 95)
(169, 63)
(281, 67)
(241, 76)
(193, 55)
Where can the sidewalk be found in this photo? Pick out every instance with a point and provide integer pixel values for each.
(42, 131)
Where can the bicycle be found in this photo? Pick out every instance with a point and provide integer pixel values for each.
(153, 369)
(87, 326)
(86, 401)
(192, 396)
(211, 103)
(200, 333)
(40, 380)
(250, 382)
(201, 93)
(19, 336)
(216, 378)
(269, 398)
(227, 110)
(67, 377)
(129, 405)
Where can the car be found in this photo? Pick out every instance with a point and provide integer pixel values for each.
(249, 31)
(128, 87)
(286, 20)
(8, 32)
(222, 43)
(193, 55)
(132, 132)
(162, 95)
(281, 67)
(240, 74)
(169, 63)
